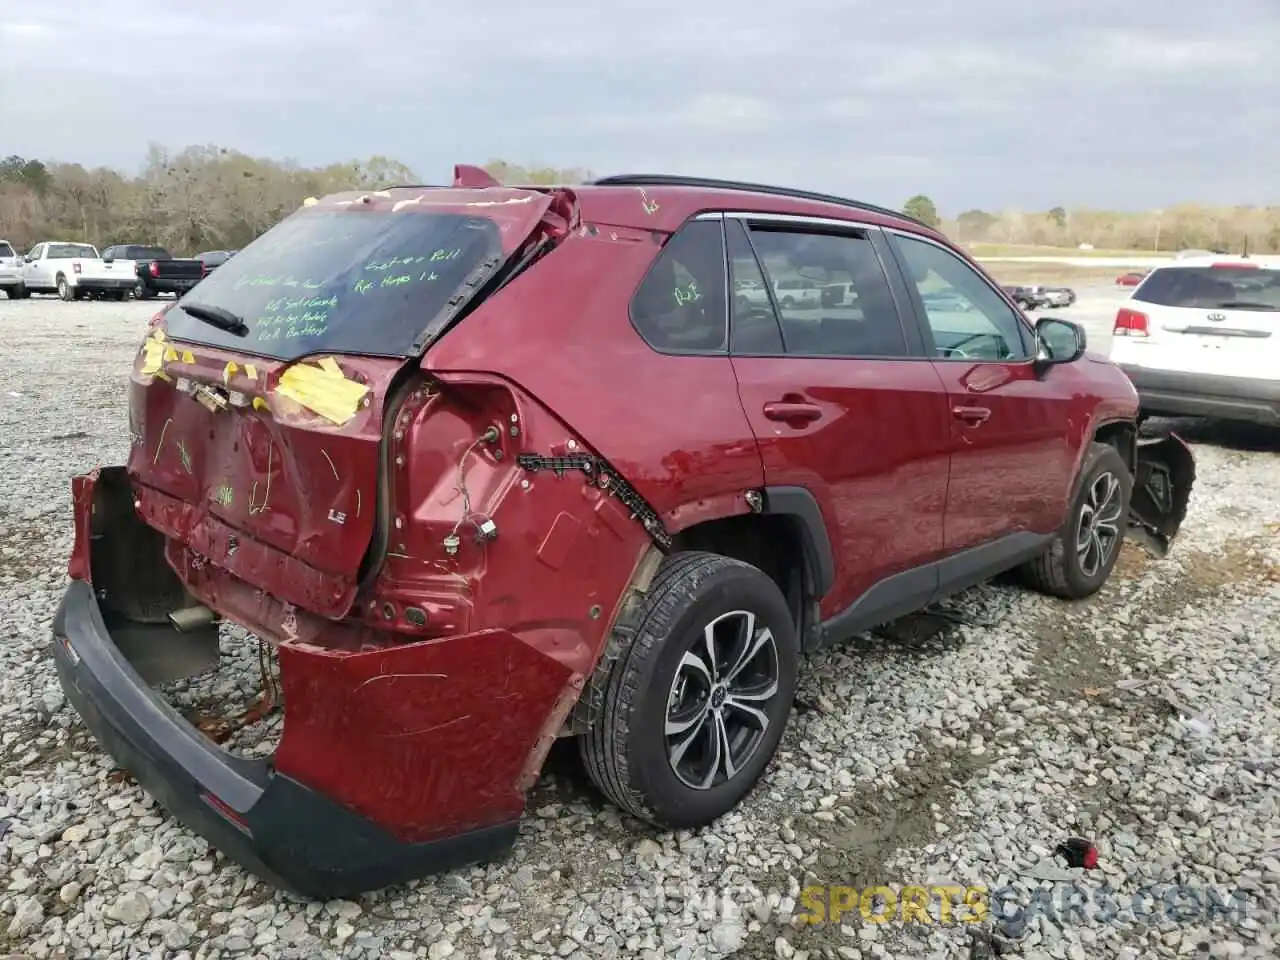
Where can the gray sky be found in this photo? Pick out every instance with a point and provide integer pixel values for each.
(986, 103)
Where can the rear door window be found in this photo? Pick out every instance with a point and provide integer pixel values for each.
(6, 250)
(680, 307)
(1212, 288)
(832, 296)
(368, 282)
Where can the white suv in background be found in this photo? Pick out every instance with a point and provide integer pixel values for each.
(1200, 337)
(11, 271)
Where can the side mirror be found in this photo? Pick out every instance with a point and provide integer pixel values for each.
(1059, 341)
(28, 259)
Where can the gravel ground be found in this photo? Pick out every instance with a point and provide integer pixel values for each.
(1145, 719)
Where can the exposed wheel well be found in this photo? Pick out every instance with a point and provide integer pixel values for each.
(1123, 437)
(772, 542)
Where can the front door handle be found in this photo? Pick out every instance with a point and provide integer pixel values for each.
(792, 413)
(973, 416)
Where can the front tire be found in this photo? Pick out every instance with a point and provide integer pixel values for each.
(20, 292)
(694, 709)
(1085, 549)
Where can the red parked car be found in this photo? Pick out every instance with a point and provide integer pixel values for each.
(1131, 279)
(489, 466)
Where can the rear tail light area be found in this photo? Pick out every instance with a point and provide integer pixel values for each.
(1131, 323)
(76, 267)
(155, 269)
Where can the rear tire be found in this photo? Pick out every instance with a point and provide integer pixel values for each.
(140, 292)
(64, 289)
(668, 721)
(1085, 549)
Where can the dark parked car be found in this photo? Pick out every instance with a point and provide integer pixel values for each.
(396, 474)
(212, 259)
(156, 269)
(1026, 297)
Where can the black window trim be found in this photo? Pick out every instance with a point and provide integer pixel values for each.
(1025, 329)
(653, 265)
(837, 227)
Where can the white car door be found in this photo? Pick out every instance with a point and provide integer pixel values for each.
(36, 269)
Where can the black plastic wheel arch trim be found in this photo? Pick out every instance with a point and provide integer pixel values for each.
(800, 504)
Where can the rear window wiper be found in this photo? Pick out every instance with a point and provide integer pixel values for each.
(1248, 305)
(216, 316)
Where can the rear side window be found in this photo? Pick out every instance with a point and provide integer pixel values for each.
(6, 250)
(361, 282)
(680, 305)
(1212, 288)
(832, 296)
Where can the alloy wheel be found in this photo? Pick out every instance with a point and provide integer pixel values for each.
(1099, 531)
(717, 708)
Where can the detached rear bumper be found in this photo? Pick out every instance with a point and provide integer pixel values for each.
(1179, 394)
(270, 824)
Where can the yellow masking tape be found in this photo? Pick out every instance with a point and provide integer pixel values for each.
(250, 371)
(229, 371)
(153, 353)
(323, 390)
(170, 355)
(188, 357)
(259, 404)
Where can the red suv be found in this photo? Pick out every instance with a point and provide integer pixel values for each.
(487, 466)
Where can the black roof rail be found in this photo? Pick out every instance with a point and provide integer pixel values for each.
(708, 183)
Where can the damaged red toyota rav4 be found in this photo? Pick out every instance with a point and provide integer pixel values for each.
(487, 466)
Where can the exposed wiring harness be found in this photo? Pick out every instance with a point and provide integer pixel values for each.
(484, 527)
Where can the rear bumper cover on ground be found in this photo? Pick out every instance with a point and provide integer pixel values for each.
(283, 831)
(1176, 393)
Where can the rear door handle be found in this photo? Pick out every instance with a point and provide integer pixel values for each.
(971, 415)
(792, 413)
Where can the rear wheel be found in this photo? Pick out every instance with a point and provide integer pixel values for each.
(140, 292)
(64, 289)
(693, 711)
(1084, 551)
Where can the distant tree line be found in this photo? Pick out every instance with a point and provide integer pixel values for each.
(1181, 227)
(210, 197)
(200, 198)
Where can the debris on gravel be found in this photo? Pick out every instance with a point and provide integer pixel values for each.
(929, 774)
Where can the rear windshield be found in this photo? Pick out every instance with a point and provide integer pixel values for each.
(70, 251)
(146, 253)
(6, 250)
(1212, 288)
(349, 281)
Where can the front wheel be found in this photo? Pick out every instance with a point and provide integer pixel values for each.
(20, 292)
(693, 711)
(1084, 551)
